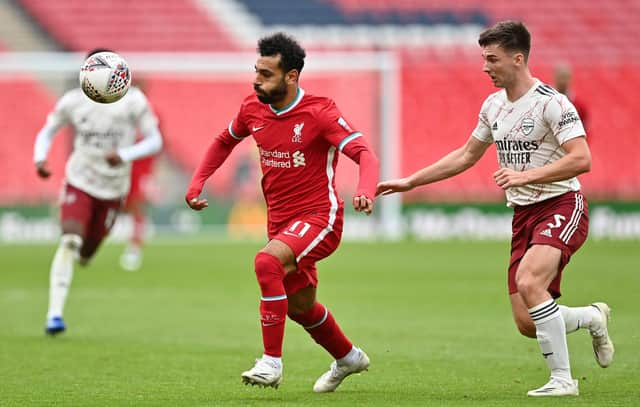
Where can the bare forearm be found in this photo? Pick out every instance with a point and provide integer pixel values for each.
(567, 167)
(451, 164)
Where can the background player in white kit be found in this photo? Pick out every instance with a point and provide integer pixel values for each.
(97, 176)
(541, 149)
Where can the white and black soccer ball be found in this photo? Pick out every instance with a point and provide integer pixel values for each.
(105, 77)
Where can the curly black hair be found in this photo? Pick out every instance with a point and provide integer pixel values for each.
(292, 54)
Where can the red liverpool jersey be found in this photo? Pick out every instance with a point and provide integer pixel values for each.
(298, 149)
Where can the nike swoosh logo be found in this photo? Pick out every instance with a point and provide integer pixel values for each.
(272, 324)
(254, 129)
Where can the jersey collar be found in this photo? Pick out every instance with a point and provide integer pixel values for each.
(536, 83)
(290, 106)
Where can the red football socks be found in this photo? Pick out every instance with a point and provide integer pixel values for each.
(273, 302)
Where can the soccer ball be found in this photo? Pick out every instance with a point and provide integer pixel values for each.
(105, 77)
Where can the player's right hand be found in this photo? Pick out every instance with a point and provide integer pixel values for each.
(393, 185)
(43, 171)
(197, 204)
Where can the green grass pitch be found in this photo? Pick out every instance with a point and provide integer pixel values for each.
(433, 317)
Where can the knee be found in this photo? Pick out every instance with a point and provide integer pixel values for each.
(71, 241)
(526, 284)
(73, 244)
(268, 269)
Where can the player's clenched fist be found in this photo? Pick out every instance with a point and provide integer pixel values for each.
(363, 204)
(507, 178)
(113, 158)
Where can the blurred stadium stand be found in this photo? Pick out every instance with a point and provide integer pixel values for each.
(24, 104)
(442, 83)
(126, 25)
(15, 25)
(23, 115)
(276, 12)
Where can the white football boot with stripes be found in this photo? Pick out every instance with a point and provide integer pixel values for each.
(556, 387)
(603, 349)
(265, 373)
(331, 379)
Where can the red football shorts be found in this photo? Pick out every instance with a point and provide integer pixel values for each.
(561, 222)
(96, 216)
(312, 238)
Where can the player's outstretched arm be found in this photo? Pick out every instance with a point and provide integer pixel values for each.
(369, 171)
(217, 153)
(575, 162)
(451, 164)
(394, 185)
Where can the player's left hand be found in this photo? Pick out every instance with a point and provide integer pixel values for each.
(113, 158)
(42, 170)
(507, 178)
(196, 203)
(363, 204)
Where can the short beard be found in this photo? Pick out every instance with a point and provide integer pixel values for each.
(274, 96)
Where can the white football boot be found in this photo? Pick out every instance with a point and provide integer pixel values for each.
(556, 387)
(603, 349)
(265, 373)
(131, 259)
(331, 379)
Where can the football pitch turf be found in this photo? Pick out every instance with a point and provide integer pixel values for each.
(434, 318)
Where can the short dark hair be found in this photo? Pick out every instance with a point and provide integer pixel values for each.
(291, 53)
(510, 35)
(97, 50)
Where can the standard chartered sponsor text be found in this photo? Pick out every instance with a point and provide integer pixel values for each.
(275, 158)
